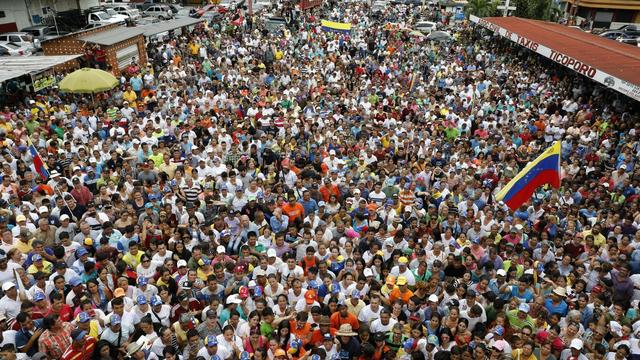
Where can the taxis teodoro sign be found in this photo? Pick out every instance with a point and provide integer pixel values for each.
(622, 86)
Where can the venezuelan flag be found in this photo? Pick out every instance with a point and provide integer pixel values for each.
(38, 164)
(335, 26)
(545, 169)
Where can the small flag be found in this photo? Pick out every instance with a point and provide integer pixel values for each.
(545, 169)
(38, 164)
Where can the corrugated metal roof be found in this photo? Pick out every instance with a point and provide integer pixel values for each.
(168, 25)
(112, 36)
(15, 66)
(615, 58)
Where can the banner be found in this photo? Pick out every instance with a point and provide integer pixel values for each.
(43, 80)
(612, 82)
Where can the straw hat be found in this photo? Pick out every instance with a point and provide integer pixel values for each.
(345, 330)
(560, 291)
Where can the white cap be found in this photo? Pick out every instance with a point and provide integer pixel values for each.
(576, 344)
(271, 253)
(367, 272)
(433, 298)
(181, 263)
(43, 209)
(332, 152)
(260, 272)
(220, 249)
(136, 141)
(64, 217)
(8, 285)
(501, 272)
(234, 299)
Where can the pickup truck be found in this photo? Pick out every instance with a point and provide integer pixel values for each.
(104, 18)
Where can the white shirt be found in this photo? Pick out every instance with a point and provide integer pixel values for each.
(10, 307)
(377, 326)
(367, 315)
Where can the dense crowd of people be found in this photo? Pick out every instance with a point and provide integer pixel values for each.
(310, 194)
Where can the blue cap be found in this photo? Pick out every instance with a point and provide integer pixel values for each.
(75, 281)
(115, 319)
(433, 340)
(143, 281)
(215, 357)
(257, 291)
(355, 294)
(148, 205)
(408, 344)
(315, 357)
(36, 257)
(313, 284)
(245, 355)
(156, 300)
(81, 252)
(211, 340)
(499, 330)
(83, 317)
(142, 300)
(39, 296)
(335, 288)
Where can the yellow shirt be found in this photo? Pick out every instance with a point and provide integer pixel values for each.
(131, 97)
(24, 248)
(598, 240)
(132, 260)
(47, 268)
(517, 355)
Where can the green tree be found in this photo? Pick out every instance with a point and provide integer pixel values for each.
(538, 9)
(482, 8)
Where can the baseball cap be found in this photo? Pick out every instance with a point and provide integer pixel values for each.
(36, 257)
(390, 280)
(75, 281)
(524, 307)
(142, 300)
(83, 317)
(211, 340)
(39, 296)
(367, 272)
(310, 296)
(143, 281)
(403, 260)
(271, 253)
(499, 330)
(43, 209)
(156, 300)
(501, 272)
(211, 314)
(64, 217)
(433, 340)
(355, 294)
(181, 263)
(576, 344)
(220, 249)
(81, 252)
(21, 218)
(401, 281)
(433, 298)
(115, 319)
(118, 292)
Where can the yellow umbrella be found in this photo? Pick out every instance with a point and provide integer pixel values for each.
(88, 81)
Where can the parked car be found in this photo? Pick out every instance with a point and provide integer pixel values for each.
(44, 32)
(629, 39)
(131, 14)
(103, 17)
(15, 49)
(21, 38)
(162, 12)
(425, 26)
(612, 34)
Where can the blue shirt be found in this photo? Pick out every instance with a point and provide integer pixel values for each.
(527, 296)
(562, 308)
(309, 206)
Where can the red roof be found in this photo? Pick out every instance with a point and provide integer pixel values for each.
(615, 58)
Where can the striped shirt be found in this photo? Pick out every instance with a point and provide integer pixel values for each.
(85, 352)
(54, 345)
(191, 193)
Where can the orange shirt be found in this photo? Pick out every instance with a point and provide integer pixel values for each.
(293, 211)
(396, 294)
(337, 320)
(317, 337)
(303, 334)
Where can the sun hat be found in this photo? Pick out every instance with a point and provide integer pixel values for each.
(345, 330)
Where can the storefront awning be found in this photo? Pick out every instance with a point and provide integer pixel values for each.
(12, 67)
(611, 63)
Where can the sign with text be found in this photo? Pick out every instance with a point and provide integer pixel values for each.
(622, 86)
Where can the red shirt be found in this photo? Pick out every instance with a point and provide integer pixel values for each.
(65, 313)
(83, 353)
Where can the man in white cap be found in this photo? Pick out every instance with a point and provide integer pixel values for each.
(574, 352)
(10, 302)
